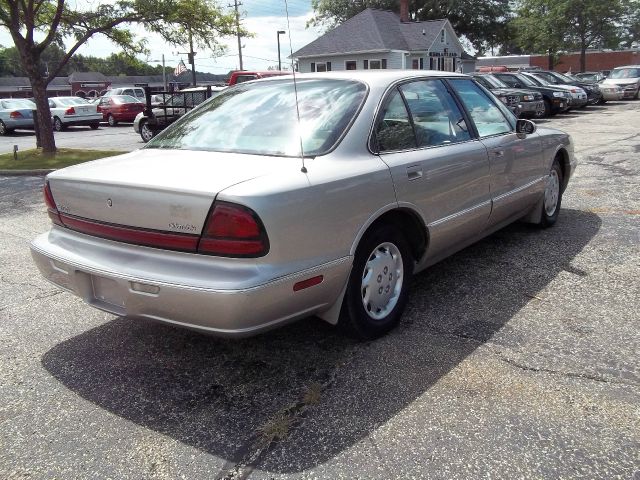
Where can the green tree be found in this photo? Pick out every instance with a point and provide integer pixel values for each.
(553, 25)
(482, 22)
(35, 25)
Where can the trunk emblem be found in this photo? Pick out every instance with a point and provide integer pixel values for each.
(109, 203)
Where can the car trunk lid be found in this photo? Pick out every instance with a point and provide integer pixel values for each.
(161, 190)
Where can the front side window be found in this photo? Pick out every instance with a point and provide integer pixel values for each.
(261, 118)
(435, 114)
(486, 115)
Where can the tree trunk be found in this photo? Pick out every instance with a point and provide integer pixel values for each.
(550, 58)
(583, 58)
(47, 141)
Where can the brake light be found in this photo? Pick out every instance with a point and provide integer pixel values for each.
(70, 111)
(99, 109)
(52, 210)
(15, 115)
(233, 231)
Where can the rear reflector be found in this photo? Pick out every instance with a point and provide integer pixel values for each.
(233, 231)
(309, 282)
(149, 238)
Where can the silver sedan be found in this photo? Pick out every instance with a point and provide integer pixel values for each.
(284, 198)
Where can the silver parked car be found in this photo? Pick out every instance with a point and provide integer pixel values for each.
(267, 204)
(73, 111)
(15, 113)
(627, 78)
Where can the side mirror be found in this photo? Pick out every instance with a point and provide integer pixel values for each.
(524, 128)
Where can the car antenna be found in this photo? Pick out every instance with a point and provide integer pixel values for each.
(295, 88)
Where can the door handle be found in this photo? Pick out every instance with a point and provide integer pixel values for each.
(498, 153)
(414, 172)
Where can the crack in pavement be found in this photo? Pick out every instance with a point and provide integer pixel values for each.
(263, 438)
(583, 376)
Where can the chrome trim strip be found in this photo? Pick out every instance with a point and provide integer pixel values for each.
(519, 189)
(459, 214)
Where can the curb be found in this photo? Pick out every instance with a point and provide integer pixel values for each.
(24, 173)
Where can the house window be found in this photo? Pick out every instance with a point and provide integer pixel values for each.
(375, 64)
(421, 63)
(366, 64)
(384, 63)
(350, 65)
(443, 36)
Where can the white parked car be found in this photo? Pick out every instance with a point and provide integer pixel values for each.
(73, 111)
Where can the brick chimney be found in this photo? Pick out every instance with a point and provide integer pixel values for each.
(404, 10)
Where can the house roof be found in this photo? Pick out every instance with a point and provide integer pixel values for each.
(87, 77)
(374, 30)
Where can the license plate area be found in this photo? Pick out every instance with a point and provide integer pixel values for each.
(108, 293)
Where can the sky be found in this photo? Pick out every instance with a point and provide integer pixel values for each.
(263, 18)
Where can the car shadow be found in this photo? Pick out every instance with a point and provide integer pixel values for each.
(221, 396)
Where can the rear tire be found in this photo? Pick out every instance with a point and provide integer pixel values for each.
(378, 285)
(3, 128)
(552, 198)
(94, 126)
(112, 121)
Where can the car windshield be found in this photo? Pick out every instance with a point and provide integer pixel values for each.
(495, 81)
(529, 81)
(18, 104)
(625, 73)
(590, 77)
(262, 118)
(124, 99)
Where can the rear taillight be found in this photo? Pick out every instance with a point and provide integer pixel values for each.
(70, 111)
(98, 109)
(233, 231)
(15, 115)
(52, 210)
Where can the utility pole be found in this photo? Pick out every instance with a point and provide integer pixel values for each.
(192, 59)
(236, 4)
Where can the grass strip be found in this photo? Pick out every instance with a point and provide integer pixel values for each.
(35, 159)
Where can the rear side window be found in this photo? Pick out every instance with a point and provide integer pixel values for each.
(394, 131)
(487, 116)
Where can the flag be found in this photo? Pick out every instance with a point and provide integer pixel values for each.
(181, 68)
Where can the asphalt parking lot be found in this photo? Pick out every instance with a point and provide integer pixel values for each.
(516, 358)
(120, 137)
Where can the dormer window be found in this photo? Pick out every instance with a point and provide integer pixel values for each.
(443, 36)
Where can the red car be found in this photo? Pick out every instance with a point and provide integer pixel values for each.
(119, 108)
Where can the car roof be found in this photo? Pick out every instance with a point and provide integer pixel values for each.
(626, 66)
(372, 77)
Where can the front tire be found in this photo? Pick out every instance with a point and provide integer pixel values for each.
(57, 125)
(146, 132)
(552, 199)
(378, 285)
(546, 112)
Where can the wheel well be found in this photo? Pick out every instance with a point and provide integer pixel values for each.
(410, 224)
(563, 158)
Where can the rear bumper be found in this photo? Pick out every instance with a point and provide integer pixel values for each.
(22, 123)
(187, 290)
(83, 120)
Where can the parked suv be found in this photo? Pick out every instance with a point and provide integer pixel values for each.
(591, 88)
(136, 92)
(628, 78)
(555, 99)
(241, 76)
(523, 103)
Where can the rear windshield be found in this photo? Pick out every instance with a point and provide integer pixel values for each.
(124, 99)
(66, 101)
(625, 73)
(18, 104)
(261, 118)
